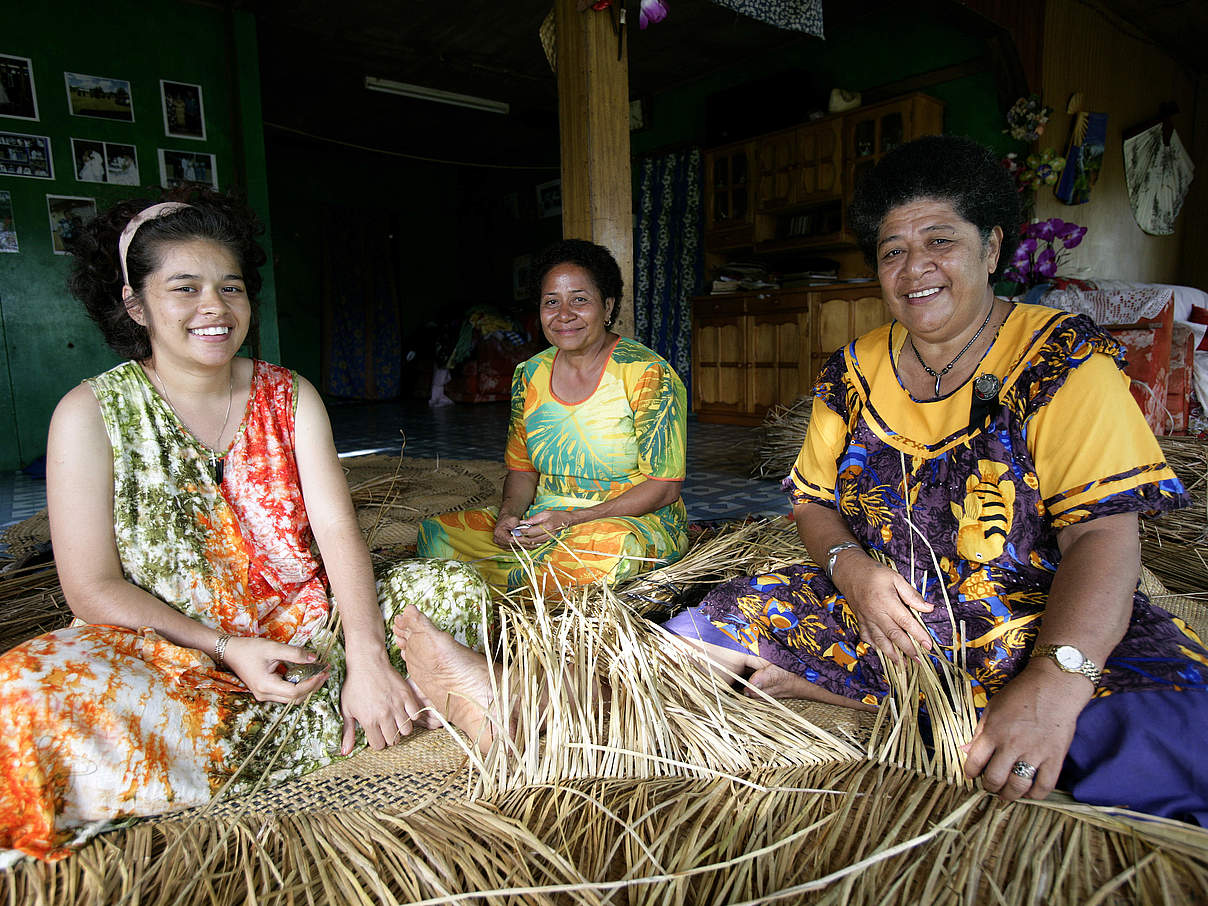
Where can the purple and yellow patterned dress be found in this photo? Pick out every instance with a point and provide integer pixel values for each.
(100, 723)
(980, 494)
(632, 429)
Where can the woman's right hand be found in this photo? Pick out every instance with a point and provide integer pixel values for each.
(503, 530)
(882, 601)
(258, 661)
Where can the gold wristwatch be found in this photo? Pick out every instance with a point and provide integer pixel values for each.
(1071, 660)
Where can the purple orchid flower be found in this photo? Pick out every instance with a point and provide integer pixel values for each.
(1025, 249)
(1073, 237)
(1046, 263)
(1044, 230)
(652, 12)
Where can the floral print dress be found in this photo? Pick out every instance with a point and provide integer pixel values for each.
(632, 429)
(100, 723)
(966, 502)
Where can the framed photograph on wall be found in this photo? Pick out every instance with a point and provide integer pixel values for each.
(187, 168)
(522, 273)
(121, 164)
(26, 155)
(184, 114)
(549, 198)
(17, 96)
(96, 96)
(8, 226)
(67, 214)
(88, 160)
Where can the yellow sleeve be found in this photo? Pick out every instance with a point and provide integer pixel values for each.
(816, 470)
(1091, 441)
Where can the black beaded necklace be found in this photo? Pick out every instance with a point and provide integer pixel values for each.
(939, 375)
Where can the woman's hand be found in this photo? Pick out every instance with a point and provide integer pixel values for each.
(378, 699)
(258, 663)
(882, 601)
(1031, 720)
(542, 527)
(503, 530)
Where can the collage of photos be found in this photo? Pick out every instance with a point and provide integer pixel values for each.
(92, 160)
(109, 162)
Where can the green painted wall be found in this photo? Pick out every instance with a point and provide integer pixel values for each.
(49, 343)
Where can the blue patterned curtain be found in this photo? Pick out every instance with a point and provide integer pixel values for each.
(795, 15)
(669, 259)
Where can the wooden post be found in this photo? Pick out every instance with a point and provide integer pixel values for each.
(593, 118)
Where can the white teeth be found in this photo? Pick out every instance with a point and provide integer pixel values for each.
(210, 331)
(922, 293)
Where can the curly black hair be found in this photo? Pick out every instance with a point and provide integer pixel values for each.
(96, 278)
(593, 258)
(949, 168)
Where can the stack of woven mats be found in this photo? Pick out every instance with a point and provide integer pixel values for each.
(669, 788)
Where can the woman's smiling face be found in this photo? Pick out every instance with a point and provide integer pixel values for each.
(194, 305)
(934, 269)
(573, 313)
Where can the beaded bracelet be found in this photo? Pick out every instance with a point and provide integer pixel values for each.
(220, 650)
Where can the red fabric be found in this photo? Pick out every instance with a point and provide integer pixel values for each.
(1200, 316)
(1147, 349)
(1182, 377)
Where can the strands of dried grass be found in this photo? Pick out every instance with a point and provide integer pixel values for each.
(595, 690)
(1175, 545)
(33, 603)
(781, 436)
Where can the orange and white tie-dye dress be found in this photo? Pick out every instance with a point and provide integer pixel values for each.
(100, 723)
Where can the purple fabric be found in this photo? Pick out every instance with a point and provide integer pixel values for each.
(1143, 751)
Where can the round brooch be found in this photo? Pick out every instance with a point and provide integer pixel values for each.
(986, 387)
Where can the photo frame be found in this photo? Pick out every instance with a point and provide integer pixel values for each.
(121, 164)
(8, 225)
(67, 214)
(522, 273)
(99, 97)
(88, 160)
(187, 168)
(549, 198)
(18, 98)
(26, 155)
(184, 111)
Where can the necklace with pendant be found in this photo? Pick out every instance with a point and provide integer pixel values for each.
(216, 460)
(939, 375)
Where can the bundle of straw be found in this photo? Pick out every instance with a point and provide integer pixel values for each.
(781, 435)
(1175, 545)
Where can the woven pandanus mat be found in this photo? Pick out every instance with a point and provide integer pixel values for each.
(393, 495)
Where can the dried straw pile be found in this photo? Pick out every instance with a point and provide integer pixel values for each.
(632, 777)
(781, 436)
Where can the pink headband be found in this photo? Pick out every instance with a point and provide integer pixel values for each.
(155, 210)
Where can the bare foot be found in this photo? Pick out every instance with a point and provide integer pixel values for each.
(451, 677)
(428, 719)
(780, 683)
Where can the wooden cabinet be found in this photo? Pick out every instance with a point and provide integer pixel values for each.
(753, 351)
(871, 132)
(790, 189)
(729, 209)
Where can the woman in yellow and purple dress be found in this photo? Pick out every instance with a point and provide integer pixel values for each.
(595, 449)
(970, 482)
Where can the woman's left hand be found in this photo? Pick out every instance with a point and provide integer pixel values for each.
(1032, 720)
(381, 701)
(540, 528)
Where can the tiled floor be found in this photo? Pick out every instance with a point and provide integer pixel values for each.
(719, 456)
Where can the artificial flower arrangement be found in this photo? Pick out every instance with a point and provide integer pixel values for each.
(1026, 118)
(1040, 169)
(1043, 249)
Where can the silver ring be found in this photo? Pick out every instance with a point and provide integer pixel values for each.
(1024, 770)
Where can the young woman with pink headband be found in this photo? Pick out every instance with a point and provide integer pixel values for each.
(185, 487)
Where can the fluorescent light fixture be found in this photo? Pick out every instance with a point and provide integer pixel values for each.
(435, 94)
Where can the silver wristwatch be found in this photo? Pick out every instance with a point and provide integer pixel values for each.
(1071, 660)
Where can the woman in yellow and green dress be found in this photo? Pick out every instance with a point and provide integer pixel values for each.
(595, 449)
(185, 488)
